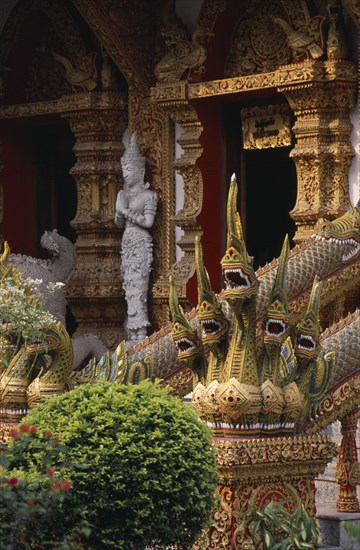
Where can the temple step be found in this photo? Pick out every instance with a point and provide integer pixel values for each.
(334, 536)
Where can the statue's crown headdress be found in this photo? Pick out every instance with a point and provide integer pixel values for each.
(132, 153)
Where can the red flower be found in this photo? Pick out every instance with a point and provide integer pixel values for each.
(13, 481)
(30, 502)
(24, 428)
(62, 485)
(33, 430)
(47, 434)
(50, 472)
(13, 433)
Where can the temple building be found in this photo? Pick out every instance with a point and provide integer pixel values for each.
(265, 89)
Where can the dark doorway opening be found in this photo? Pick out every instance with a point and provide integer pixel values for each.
(55, 189)
(267, 188)
(270, 179)
(55, 202)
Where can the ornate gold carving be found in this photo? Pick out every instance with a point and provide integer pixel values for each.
(232, 85)
(253, 472)
(28, 109)
(74, 102)
(323, 152)
(155, 136)
(95, 290)
(82, 75)
(120, 23)
(7, 425)
(44, 80)
(345, 389)
(353, 7)
(270, 454)
(185, 56)
(209, 12)
(347, 468)
(259, 46)
(265, 127)
(298, 73)
(185, 115)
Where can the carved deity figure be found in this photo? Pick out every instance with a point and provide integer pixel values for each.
(135, 209)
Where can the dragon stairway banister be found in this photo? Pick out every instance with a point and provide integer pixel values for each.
(332, 254)
(256, 403)
(343, 393)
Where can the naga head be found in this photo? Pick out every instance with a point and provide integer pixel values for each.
(237, 266)
(185, 337)
(308, 331)
(213, 322)
(345, 231)
(277, 316)
(55, 337)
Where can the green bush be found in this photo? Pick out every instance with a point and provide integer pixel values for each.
(148, 474)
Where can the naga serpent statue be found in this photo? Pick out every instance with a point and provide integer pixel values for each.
(262, 374)
(36, 351)
(331, 255)
(209, 333)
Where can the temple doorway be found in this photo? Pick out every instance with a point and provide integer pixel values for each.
(270, 196)
(267, 185)
(55, 189)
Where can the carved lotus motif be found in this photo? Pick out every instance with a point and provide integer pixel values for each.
(210, 398)
(272, 398)
(236, 399)
(198, 397)
(293, 400)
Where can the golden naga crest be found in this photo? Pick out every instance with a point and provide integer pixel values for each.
(36, 352)
(239, 387)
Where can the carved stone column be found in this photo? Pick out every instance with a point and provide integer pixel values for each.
(98, 120)
(347, 468)
(321, 95)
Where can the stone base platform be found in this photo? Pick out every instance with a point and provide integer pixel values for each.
(334, 536)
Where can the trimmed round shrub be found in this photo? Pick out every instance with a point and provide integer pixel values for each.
(141, 463)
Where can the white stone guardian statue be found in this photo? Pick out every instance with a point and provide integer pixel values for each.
(135, 208)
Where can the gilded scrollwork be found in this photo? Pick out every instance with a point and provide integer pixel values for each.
(347, 468)
(181, 382)
(98, 128)
(155, 136)
(254, 472)
(209, 12)
(258, 46)
(323, 151)
(353, 7)
(118, 24)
